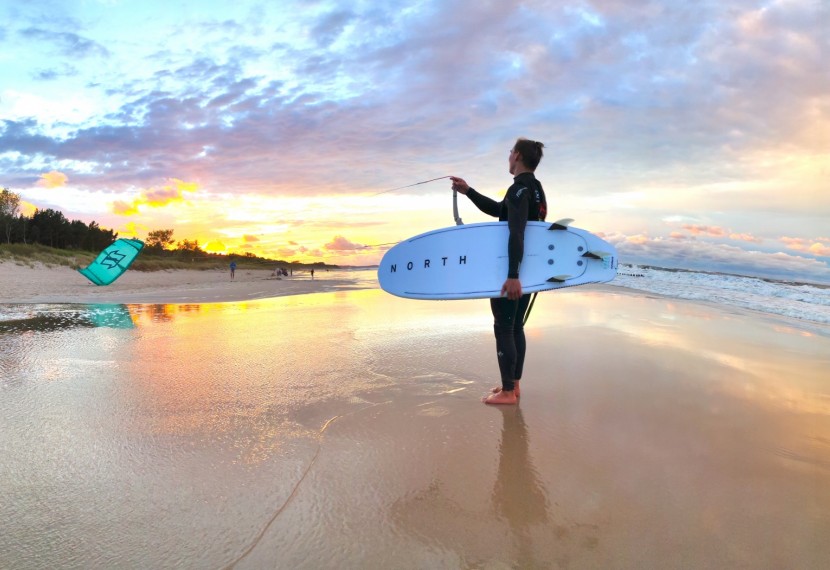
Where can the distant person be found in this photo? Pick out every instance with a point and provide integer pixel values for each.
(312, 274)
(524, 200)
(233, 269)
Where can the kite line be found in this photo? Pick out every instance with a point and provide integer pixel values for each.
(410, 185)
(458, 221)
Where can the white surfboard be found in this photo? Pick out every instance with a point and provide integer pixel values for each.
(470, 261)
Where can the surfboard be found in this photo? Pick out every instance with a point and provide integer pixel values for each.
(470, 261)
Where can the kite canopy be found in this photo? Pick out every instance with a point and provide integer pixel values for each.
(113, 261)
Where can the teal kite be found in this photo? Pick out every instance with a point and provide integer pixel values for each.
(113, 261)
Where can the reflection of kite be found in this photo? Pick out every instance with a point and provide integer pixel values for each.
(113, 261)
(110, 316)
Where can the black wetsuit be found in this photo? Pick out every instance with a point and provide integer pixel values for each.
(524, 200)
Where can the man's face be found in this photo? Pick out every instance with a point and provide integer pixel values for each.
(511, 161)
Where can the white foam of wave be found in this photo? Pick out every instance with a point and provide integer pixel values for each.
(800, 301)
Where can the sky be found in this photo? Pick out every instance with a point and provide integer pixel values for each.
(688, 134)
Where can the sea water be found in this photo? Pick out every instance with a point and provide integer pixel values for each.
(808, 302)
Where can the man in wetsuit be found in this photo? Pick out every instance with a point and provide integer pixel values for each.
(525, 200)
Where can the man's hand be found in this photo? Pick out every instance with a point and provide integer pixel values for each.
(459, 185)
(512, 288)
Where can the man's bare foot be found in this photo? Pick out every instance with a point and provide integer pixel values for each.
(516, 389)
(502, 397)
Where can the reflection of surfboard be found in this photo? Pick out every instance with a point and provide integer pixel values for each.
(470, 261)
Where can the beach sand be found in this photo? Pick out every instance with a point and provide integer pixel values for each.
(20, 283)
(345, 430)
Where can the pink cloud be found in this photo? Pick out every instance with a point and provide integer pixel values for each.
(745, 237)
(713, 231)
(639, 239)
(339, 243)
(793, 243)
(819, 246)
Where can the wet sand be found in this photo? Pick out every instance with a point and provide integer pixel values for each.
(344, 430)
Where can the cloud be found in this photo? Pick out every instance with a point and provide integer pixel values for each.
(637, 239)
(155, 197)
(215, 246)
(27, 209)
(122, 208)
(819, 247)
(67, 43)
(52, 74)
(247, 238)
(339, 243)
(604, 72)
(794, 243)
(132, 229)
(716, 111)
(285, 253)
(53, 179)
(707, 256)
(326, 30)
(713, 231)
(749, 238)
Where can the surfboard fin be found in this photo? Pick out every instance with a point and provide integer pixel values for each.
(596, 254)
(561, 224)
(559, 278)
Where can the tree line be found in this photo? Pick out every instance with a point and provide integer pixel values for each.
(161, 242)
(49, 227)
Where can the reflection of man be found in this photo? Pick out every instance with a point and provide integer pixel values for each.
(518, 495)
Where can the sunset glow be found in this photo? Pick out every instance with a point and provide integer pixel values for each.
(691, 136)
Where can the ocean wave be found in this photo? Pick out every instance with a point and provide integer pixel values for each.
(804, 301)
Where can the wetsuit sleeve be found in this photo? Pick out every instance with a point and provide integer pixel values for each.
(517, 210)
(485, 204)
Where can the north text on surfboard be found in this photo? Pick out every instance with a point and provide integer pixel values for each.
(462, 260)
